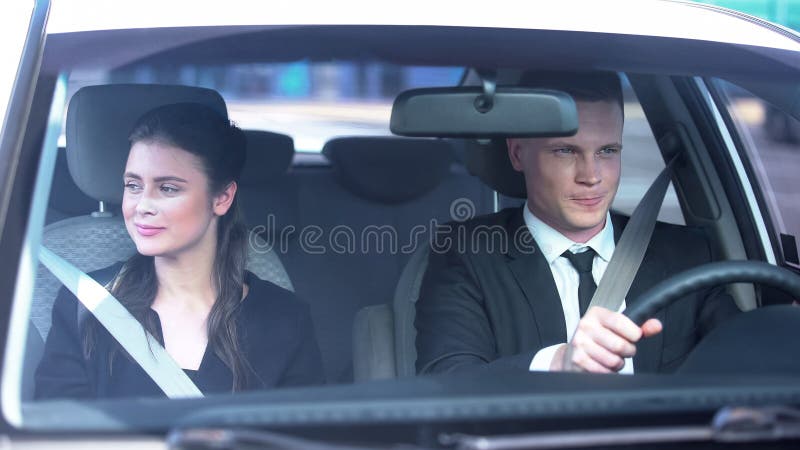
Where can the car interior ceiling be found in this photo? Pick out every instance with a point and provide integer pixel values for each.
(466, 47)
(367, 180)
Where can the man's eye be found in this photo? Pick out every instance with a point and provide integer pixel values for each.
(563, 151)
(609, 151)
(169, 189)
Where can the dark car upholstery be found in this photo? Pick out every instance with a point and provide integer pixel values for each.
(376, 189)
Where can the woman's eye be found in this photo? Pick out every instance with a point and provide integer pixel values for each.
(133, 187)
(169, 189)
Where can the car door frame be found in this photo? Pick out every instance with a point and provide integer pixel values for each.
(710, 191)
(20, 146)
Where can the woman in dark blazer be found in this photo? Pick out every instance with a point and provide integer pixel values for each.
(187, 286)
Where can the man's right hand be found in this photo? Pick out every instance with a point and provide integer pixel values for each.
(602, 341)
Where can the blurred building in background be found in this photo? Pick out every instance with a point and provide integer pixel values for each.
(783, 12)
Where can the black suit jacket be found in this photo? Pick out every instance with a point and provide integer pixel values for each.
(482, 302)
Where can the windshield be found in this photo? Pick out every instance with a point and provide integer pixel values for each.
(249, 232)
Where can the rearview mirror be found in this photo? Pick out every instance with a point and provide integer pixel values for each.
(468, 112)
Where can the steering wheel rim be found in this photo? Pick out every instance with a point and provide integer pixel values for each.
(708, 275)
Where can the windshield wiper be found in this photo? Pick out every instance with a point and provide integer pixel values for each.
(729, 425)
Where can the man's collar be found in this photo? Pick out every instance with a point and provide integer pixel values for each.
(552, 243)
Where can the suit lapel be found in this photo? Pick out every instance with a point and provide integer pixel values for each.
(535, 278)
(648, 351)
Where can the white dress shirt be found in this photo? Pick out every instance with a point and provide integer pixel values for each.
(552, 244)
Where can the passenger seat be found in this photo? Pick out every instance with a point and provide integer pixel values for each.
(99, 119)
(66, 199)
(266, 187)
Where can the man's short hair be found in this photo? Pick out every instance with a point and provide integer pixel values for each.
(582, 86)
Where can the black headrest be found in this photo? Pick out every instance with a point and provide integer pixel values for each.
(269, 156)
(99, 120)
(488, 160)
(389, 169)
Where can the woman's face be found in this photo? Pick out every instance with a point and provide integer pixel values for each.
(167, 206)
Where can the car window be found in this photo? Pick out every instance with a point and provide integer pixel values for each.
(310, 101)
(770, 139)
(363, 230)
(641, 163)
(338, 236)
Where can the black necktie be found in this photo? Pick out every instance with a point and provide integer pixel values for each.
(582, 262)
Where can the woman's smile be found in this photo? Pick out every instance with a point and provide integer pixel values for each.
(148, 230)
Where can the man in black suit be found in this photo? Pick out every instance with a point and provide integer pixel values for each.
(511, 288)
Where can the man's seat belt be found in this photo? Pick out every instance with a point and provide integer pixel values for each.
(131, 335)
(630, 249)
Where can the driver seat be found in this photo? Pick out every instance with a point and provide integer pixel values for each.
(377, 359)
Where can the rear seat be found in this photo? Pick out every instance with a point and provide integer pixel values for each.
(265, 186)
(373, 181)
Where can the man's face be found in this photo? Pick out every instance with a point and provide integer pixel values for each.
(571, 181)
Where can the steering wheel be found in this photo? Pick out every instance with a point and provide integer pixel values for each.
(708, 275)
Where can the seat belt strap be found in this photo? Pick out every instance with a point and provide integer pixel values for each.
(131, 335)
(630, 249)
